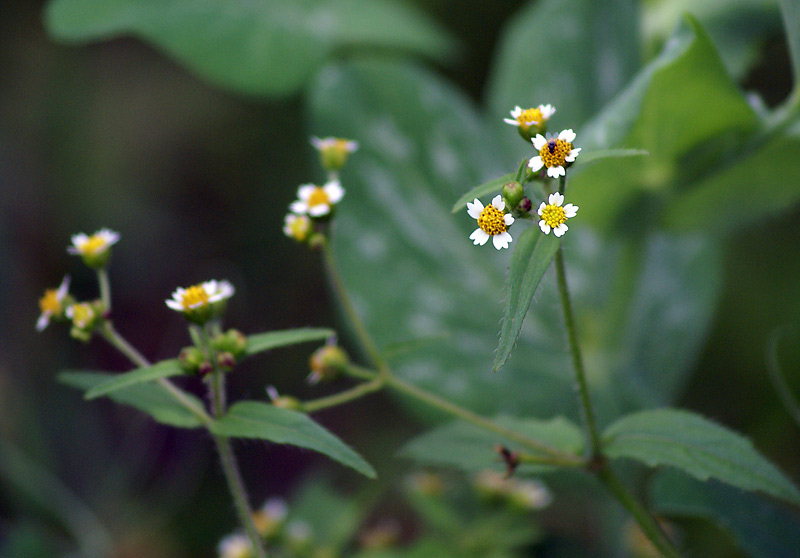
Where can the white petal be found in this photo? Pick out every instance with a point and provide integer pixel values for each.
(317, 143)
(304, 191)
(538, 142)
(298, 206)
(511, 121)
(43, 321)
(474, 208)
(319, 210)
(556, 199)
(501, 240)
(572, 154)
(517, 111)
(560, 230)
(570, 210)
(567, 135)
(547, 111)
(63, 289)
(555, 172)
(498, 202)
(478, 236)
(508, 219)
(175, 305)
(334, 191)
(541, 208)
(536, 163)
(544, 226)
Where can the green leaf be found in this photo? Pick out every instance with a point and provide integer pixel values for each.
(697, 446)
(760, 527)
(148, 398)
(494, 186)
(253, 419)
(573, 54)
(163, 369)
(259, 48)
(532, 256)
(666, 112)
(274, 339)
(790, 10)
(470, 448)
(592, 156)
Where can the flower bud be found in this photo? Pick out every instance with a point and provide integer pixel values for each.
(334, 152)
(327, 363)
(284, 401)
(513, 194)
(525, 205)
(232, 341)
(191, 359)
(225, 361)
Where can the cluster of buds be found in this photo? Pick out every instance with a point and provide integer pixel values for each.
(315, 204)
(228, 348)
(58, 305)
(554, 155)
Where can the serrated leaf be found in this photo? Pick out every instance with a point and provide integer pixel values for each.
(697, 446)
(493, 186)
(533, 253)
(257, 48)
(163, 369)
(274, 339)
(471, 448)
(254, 419)
(761, 527)
(148, 398)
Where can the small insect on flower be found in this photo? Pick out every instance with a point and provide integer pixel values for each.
(52, 304)
(199, 303)
(554, 153)
(492, 222)
(554, 216)
(317, 201)
(94, 249)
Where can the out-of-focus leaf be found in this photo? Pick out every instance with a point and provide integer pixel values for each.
(274, 339)
(791, 20)
(163, 369)
(762, 528)
(470, 448)
(148, 398)
(666, 112)
(494, 186)
(532, 256)
(333, 518)
(573, 54)
(254, 419)
(259, 48)
(591, 156)
(697, 446)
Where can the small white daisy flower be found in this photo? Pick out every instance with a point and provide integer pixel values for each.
(334, 152)
(235, 546)
(554, 153)
(52, 304)
(82, 315)
(297, 227)
(317, 201)
(492, 222)
(94, 245)
(530, 117)
(199, 303)
(554, 216)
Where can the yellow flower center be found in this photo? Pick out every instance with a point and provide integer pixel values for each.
(491, 221)
(530, 115)
(93, 245)
(554, 152)
(49, 303)
(318, 197)
(300, 228)
(553, 215)
(194, 296)
(82, 315)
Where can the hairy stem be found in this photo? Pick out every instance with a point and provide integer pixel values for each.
(346, 396)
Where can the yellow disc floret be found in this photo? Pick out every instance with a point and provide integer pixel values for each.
(318, 197)
(50, 302)
(554, 215)
(555, 152)
(491, 221)
(94, 245)
(530, 116)
(194, 297)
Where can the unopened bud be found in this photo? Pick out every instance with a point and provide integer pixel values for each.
(191, 359)
(232, 341)
(513, 193)
(327, 363)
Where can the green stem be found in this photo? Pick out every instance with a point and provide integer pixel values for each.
(646, 521)
(358, 326)
(217, 380)
(344, 397)
(105, 288)
(587, 412)
(557, 457)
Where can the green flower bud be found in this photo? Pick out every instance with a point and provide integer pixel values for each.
(334, 152)
(232, 341)
(191, 359)
(326, 363)
(513, 194)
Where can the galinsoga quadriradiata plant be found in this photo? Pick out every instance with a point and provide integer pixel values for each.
(537, 192)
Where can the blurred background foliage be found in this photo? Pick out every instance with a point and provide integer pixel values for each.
(187, 131)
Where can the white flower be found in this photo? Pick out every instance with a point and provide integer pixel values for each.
(491, 222)
(200, 296)
(554, 153)
(52, 304)
(531, 116)
(554, 216)
(94, 245)
(82, 315)
(340, 144)
(235, 546)
(297, 227)
(317, 201)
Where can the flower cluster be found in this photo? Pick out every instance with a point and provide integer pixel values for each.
(315, 204)
(555, 153)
